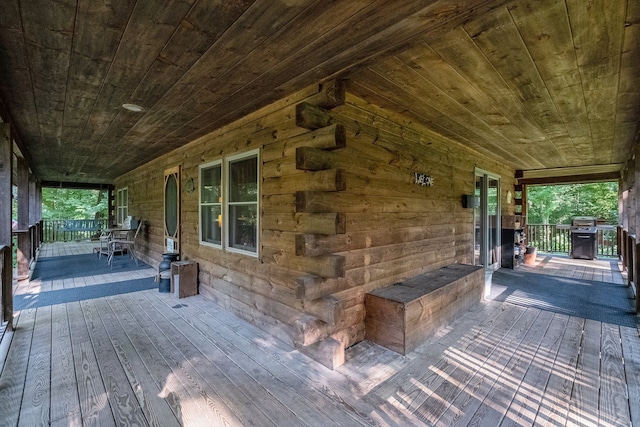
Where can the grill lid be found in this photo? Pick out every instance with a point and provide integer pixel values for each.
(584, 221)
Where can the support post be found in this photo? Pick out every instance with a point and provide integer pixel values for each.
(6, 279)
(24, 238)
(637, 274)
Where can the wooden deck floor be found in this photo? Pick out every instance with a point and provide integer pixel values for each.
(145, 358)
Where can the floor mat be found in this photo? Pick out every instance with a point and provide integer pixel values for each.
(601, 301)
(61, 296)
(70, 266)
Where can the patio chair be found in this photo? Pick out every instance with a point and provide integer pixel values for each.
(104, 238)
(122, 242)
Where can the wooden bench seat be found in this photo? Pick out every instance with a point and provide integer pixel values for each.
(400, 317)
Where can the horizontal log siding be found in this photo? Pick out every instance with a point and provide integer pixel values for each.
(394, 228)
(378, 226)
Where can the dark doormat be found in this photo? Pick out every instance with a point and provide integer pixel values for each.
(601, 301)
(70, 266)
(61, 296)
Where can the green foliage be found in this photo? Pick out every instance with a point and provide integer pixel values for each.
(557, 204)
(64, 203)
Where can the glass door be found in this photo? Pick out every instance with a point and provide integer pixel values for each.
(487, 221)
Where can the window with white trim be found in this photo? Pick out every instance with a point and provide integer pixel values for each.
(122, 205)
(229, 203)
(211, 204)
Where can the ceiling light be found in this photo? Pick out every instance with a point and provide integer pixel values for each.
(133, 107)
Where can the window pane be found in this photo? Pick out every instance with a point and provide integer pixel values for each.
(210, 224)
(243, 180)
(243, 227)
(210, 188)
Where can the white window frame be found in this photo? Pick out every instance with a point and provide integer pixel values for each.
(201, 204)
(226, 205)
(122, 210)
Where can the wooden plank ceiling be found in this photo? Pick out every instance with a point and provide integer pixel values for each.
(540, 84)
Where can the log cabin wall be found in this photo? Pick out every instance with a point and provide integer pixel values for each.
(628, 202)
(341, 213)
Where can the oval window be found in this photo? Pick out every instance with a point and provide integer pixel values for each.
(171, 205)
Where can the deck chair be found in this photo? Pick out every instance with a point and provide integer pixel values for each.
(104, 238)
(120, 243)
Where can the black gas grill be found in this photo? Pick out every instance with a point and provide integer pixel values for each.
(584, 237)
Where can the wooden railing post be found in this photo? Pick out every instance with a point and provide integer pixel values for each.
(619, 242)
(6, 285)
(631, 239)
(623, 244)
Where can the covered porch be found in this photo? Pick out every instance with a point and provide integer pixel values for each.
(555, 342)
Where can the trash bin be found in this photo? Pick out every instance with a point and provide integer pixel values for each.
(530, 255)
(164, 271)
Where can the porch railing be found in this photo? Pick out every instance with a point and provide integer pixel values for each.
(630, 256)
(66, 230)
(549, 238)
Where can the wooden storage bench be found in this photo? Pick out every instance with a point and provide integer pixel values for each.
(400, 317)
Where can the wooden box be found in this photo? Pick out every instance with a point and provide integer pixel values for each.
(184, 278)
(401, 316)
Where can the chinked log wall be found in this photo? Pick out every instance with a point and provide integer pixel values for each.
(341, 214)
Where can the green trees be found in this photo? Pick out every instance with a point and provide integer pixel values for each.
(64, 203)
(557, 204)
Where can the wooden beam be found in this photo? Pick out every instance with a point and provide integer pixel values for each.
(329, 266)
(326, 138)
(323, 223)
(77, 185)
(311, 116)
(329, 352)
(324, 180)
(571, 179)
(312, 159)
(330, 94)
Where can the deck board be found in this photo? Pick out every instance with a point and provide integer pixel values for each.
(94, 404)
(271, 386)
(614, 401)
(157, 410)
(526, 403)
(497, 395)
(12, 382)
(147, 358)
(583, 409)
(123, 402)
(179, 375)
(467, 364)
(631, 354)
(35, 400)
(65, 406)
(555, 403)
(207, 357)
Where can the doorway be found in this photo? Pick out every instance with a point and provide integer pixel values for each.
(487, 249)
(172, 210)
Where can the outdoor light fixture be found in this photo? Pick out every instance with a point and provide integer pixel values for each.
(470, 201)
(133, 107)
